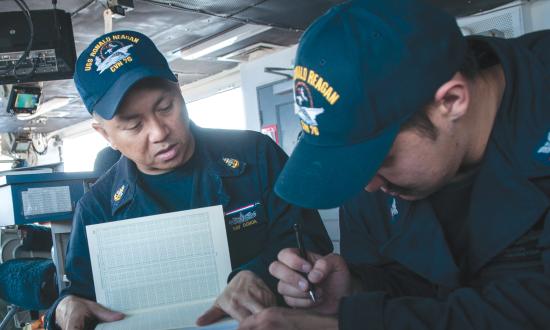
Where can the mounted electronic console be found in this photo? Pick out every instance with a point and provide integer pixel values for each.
(50, 55)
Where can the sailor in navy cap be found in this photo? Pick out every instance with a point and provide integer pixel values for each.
(169, 164)
(437, 147)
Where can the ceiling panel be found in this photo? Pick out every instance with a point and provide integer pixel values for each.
(223, 8)
(178, 24)
(468, 7)
(291, 14)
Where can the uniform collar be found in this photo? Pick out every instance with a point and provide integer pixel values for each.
(419, 244)
(504, 206)
(218, 163)
(217, 166)
(124, 184)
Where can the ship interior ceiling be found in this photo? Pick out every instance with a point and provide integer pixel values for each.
(176, 25)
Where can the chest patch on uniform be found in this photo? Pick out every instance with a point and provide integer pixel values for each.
(242, 217)
(231, 162)
(543, 152)
(119, 193)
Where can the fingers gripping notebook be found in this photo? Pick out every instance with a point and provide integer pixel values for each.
(162, 271)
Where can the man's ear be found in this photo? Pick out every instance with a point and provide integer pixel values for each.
(101, 130)
(453, 98)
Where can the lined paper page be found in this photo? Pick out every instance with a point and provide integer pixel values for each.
(169, 263)
(168, 318)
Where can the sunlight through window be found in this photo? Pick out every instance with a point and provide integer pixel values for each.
(79, 153)
(222, 110)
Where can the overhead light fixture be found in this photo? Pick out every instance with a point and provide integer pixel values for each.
(222, 40)
(42, 108)
(250, 52)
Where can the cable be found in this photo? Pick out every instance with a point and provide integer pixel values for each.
(40, 152)
(248, 7)
(27, 14)
(41, 140)
(32, 157)
(56, 25)
(24, 9)
(54, 4)
(81, 8)
(24, 4)
(280, 71)
(167, 4)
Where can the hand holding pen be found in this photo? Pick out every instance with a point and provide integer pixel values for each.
(310, 280)
(315, 308)
(303, 255)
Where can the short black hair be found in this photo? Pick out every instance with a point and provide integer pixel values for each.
(421, 123)
(478, 56)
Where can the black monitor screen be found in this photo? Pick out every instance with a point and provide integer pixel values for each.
(24, 99)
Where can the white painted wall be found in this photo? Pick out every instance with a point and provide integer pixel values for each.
(253, 76)
(538, 15)
(249, 76)
(217, 83)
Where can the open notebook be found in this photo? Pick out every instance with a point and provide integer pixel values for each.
(162, 271)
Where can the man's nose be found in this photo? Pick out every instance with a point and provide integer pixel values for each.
(159, 130)
(375, 184)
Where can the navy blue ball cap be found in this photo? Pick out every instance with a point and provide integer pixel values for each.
(112, 64)
(362, 70)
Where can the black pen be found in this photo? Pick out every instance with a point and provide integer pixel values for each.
(303, 255)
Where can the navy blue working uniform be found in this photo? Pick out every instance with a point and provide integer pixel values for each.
(476, 254)
(236, 169)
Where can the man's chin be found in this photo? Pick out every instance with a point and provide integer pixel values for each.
(160, 167)
(415, 196)
(169, 165)
(410, 197)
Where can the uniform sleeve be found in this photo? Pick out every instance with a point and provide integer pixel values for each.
(77, 266)
(395, 298)
(282, 216)
(521, 302)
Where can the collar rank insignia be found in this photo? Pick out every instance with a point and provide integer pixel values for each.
(119, 193)
(543, 151)
(233, 163)
(393, 210)
(545, 148)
